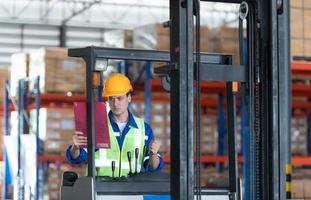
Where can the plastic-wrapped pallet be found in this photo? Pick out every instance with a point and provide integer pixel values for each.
(155, 36)
(58, 72)
(118, 38)
(19, 69)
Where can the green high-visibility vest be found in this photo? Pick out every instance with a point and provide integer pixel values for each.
(135, 138)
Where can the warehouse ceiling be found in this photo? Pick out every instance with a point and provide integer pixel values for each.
(26, 25)
(104, 13)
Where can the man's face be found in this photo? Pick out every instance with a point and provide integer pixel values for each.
(119, 104)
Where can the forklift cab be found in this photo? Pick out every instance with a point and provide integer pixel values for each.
(137, 185)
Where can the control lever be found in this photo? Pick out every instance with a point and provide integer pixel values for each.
(143, 157)
(113, 167)
(97, 170)
(136, 158)
(130, 163)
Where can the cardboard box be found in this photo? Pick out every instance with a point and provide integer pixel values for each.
(306, 4)
(307, 23)
(307, 188)
(297, 189)
(4, 74)
(58, 72)
(296, 3)
(227, 41)
(297, 47)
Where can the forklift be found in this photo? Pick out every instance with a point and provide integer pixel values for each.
(264, 75)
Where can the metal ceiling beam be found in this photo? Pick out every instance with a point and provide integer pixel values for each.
(85, 7)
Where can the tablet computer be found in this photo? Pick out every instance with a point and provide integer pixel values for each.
(100, 122)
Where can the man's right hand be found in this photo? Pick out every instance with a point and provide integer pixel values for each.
(78, 140)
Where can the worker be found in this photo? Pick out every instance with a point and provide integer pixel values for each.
(133, 147)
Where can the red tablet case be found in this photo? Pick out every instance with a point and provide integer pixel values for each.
(100, 123)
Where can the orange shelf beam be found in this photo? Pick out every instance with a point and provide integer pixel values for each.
(296, 160)
(51, 157)
(220, 87)
(302, 68)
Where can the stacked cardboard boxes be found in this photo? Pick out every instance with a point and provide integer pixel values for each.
(56, 129)
(58, 72)
(4, 74)
(300, 27)
(299, 136)
(301, 188)
(160, 124)
(228, 42)
(209, 135)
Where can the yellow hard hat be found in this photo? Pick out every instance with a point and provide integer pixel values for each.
(117, 85)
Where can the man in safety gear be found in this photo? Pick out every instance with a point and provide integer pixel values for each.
(133, 148)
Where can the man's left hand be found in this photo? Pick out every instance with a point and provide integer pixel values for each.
(154, 147)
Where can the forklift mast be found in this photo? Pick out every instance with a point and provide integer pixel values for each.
(264, 75)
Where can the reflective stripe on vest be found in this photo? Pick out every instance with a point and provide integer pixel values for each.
(135, 138)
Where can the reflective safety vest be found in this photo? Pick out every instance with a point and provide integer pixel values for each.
(135, 138)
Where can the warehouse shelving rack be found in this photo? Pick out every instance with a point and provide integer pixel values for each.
(21, 105)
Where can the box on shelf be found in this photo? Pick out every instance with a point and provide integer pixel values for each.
(228, 42)
(299, 136)
(58, 72)
(56, 129)
(300, 27)
(4, 74)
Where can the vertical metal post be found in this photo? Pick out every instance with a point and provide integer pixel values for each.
(99, 91)
(37, 106)
(148, 92)
(221, 124)
(273, 187)
(63, 35)
(245, 122)
(285, 97)
(126, 67)
(6, 132)
(246, 143)
(6, 107)
(90, 61)
(181, 52)
(309, 135)
(251, 24)
(120, 66)
(21, 95)
(231, 122)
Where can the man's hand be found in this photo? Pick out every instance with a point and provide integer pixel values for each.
(154, 160)
(154, 147)
(78, 140)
